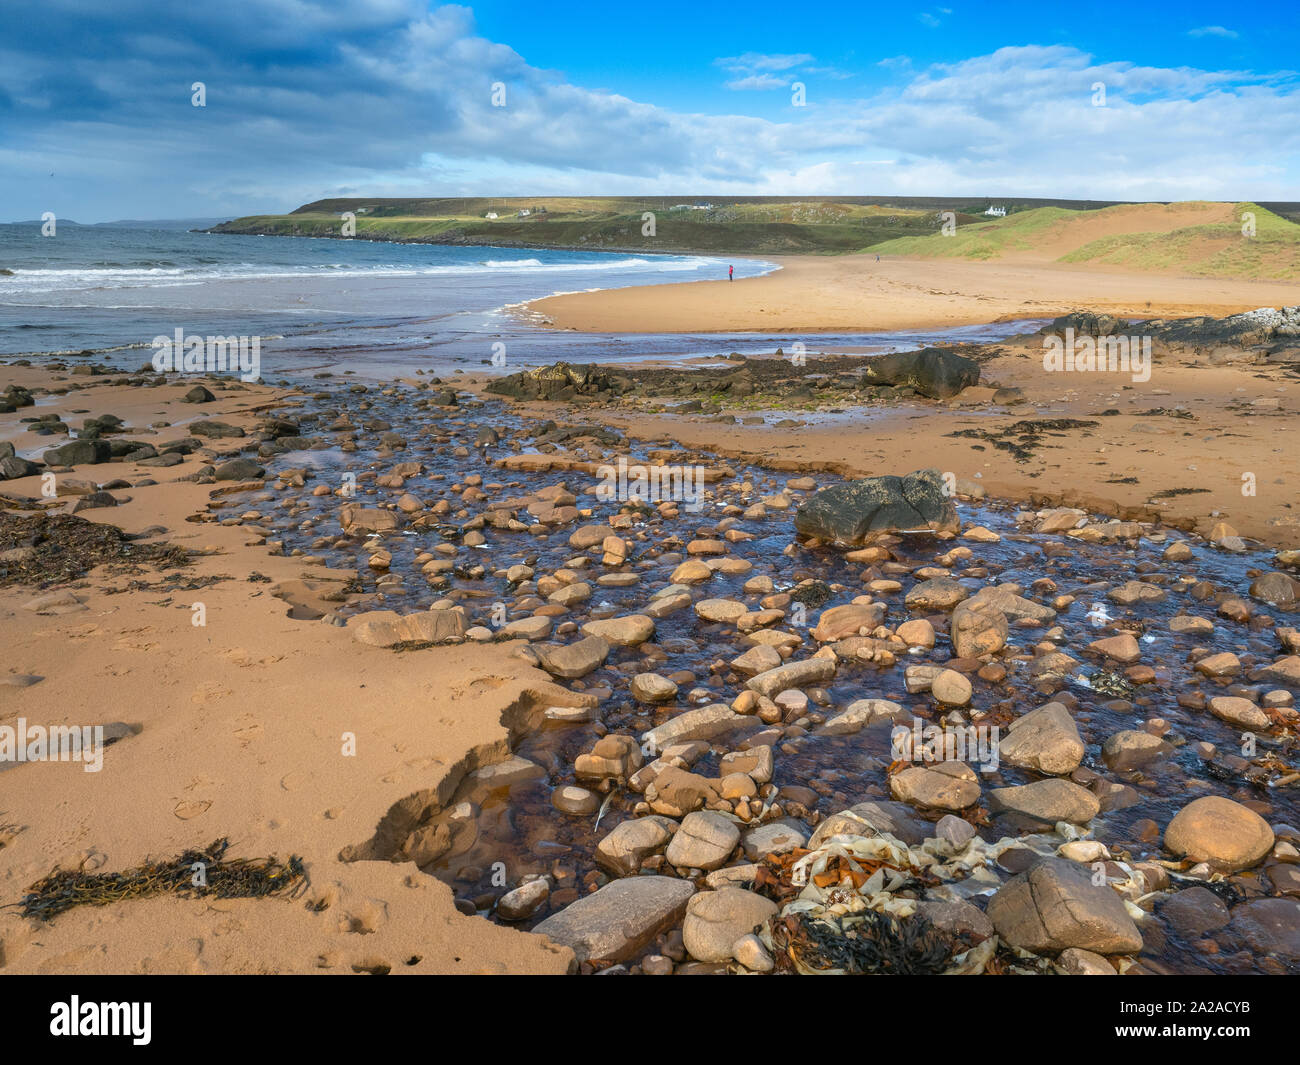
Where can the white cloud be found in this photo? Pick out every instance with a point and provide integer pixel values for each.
(1213, 31)
(759, 81)
(753, 61)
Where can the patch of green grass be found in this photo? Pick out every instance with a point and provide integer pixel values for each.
(674, 232)
(756, 225)
(982, 240)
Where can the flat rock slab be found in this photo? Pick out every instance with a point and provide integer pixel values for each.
(1048, 801)
(614, 923)
(1269, 926)
(386, 628)
(573, 660)
(700, 724)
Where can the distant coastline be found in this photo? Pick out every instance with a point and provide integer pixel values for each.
(1198, 238)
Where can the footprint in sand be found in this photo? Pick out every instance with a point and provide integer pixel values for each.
(240, 657)
(205, 693)
(188, 809)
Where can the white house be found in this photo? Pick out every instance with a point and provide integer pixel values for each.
(491, 214)
(996, 212)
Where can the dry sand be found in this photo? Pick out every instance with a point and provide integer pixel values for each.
(835, 294)
(241, 726)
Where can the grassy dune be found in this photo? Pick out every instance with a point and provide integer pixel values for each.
(1149, 237)
(1213, 250)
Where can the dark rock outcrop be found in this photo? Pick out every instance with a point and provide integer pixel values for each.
(561, 381)
(79, 453)
(850, 513)
(938, 373)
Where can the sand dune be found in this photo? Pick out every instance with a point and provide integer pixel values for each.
(1198, 239)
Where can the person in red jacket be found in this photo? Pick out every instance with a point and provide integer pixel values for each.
(731, 273)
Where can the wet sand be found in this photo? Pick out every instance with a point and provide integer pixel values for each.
(1126, 464)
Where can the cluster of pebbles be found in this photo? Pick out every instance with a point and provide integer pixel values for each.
(726, 790)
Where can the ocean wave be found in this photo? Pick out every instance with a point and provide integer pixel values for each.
(98, 276)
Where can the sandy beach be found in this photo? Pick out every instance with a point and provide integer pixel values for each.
(837, 294)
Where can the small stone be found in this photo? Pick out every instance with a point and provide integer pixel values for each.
(652, 688)
(524, 901)
(751, 953)
(575, 801)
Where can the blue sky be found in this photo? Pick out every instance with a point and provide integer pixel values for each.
(394, 97)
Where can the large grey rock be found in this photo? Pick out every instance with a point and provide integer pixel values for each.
(703, 723)
(615, 922)
(957, 918)
(622, 632)
(1194, 911)
(355, 518)
(560, 381)
(78, 453)
(1269, 926)
(852, 512)
(977, 628)
(1011, 604)
(386, 628)
(1132, 748)
(12, 467)
(1045, 739)
(705, 840)
(1055, 905)
(214, 430)
(937, 595)
(715, 920)
(942, 786)
(238, 469)
(858, 715)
